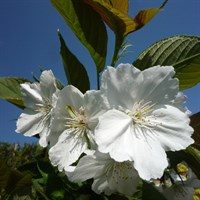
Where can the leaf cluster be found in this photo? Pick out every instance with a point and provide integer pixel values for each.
(26, 173)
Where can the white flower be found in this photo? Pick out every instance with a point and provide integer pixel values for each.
(39, 100)
(109, 176)
(145, 119)
(74, 120)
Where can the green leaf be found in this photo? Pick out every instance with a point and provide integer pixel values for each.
(87, 26)
(58, 194)
(115, 14)
(149, 192)
(195, 123)
(19, 182)
(74, 70)
(50, 183)
(10, 90)
(4, 175)
(182, 52)
(14, 181)
(195, 154)
(146, 191)
(24, 197)
(121, 5)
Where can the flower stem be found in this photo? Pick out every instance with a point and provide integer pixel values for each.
(98, 80)
(118, 44)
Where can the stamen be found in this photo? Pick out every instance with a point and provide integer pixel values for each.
(45, 108)
(76, 119)
(73, 113)
(141, 114)
(77, 122)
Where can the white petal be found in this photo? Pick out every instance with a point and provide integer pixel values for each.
(30, 123)
(100, 185)
(125, 85)
(149, 157)
(86, 169)
(69, 171)
(179, 102)
(95, 106)
(31, 95)
(58, 123)
(111, 134)
(71, 96)
(157, 84)
(117, 85)
(124, 180)
(43, 141)
(93, 166)
(48, 84)
(53, 137)
(173, 131)
(68, 96)
(67, 150)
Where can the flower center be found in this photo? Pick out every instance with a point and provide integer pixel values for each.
(120, 171)
(76, 119)
(77, 123)
(46, 107)
(141, 114)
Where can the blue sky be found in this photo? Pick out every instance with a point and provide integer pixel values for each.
(28, 40)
